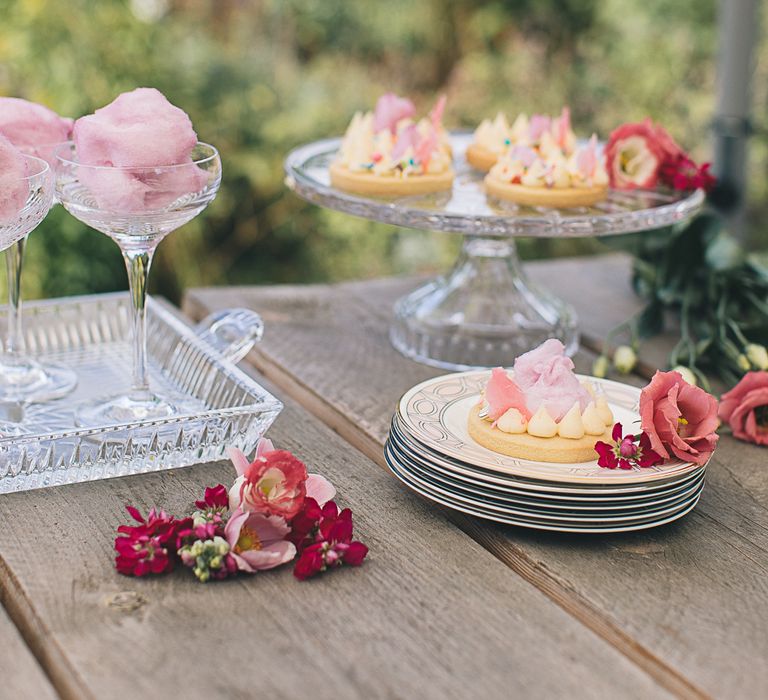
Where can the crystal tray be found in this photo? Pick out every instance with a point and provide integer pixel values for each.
(468, 210)
(92, 335)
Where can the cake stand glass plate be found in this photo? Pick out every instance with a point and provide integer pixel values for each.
(92, 336)
(484, 311)
(435, 413)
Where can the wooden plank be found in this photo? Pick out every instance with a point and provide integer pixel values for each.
(665, 598)
(431, 614)
(20, 674)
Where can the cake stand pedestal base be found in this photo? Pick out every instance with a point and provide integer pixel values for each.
(483, 313)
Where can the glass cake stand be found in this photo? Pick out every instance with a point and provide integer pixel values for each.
(485, 311)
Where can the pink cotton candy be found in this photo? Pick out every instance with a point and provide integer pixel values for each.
(502, 393)
(14, 189)
(390, 109)
(545, 375)
(32, 128)
(407, 138)
(141, 130)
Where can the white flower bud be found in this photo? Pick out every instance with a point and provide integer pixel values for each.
(757, 355)
(686, 374)
(624, 359)
(743, 362)
(600, 367)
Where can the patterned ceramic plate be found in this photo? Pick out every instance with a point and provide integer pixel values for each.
(435, 413)
(538, 524)
(638, 514)
(515, 498)
(509, 483)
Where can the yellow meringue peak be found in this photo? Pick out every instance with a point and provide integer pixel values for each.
(589, 387)
(512, 422)
(606, 415)
(571, 425)
(593, 423)
(542, 424)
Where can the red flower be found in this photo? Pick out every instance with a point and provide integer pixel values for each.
(627, 451)
(324, 539)
(216, 497)
(745, 408)
(147, 548)
(681, 173)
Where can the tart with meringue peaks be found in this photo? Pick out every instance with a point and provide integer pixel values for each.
(543, 412)
(547, 177)
(388, 153)
(494, 138)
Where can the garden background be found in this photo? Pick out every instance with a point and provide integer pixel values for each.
(261, 76)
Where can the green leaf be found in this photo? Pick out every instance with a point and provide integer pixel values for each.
(650, 322)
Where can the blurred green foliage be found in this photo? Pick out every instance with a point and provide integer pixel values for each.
(261, 76)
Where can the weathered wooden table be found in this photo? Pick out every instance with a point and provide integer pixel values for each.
(446, 606)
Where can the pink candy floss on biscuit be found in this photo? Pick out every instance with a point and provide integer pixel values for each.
(546, 377)
(390, 109)
(32, 128)
(14, 189)
(138, 131)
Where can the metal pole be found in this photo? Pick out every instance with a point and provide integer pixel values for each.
(738, 21)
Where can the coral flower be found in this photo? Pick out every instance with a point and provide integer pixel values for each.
(745, 408)
(680, 419)
(257, 542)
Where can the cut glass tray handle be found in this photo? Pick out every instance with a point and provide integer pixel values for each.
(232, 332)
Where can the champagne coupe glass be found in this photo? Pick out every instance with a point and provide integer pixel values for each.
(136, 207)
(39, 184)
(23, 378)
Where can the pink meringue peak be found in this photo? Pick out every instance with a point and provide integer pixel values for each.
(502, 393)
(545, 376)
(14, 188)
(32, 128)
(390, 109)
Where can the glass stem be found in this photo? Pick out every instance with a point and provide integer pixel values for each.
(138, 263)
(14, 338)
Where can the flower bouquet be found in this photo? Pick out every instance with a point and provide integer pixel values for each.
(273, 512)
(697, 276)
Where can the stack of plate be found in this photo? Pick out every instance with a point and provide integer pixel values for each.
(429, 449)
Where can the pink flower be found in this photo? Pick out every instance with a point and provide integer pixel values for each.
(745, 408)
(502, 393)
(626, 451)
(324, 539)
(147, 548)
(680, 419)
(274, 483)
(633, 156)
(390, 109)
(257, 542)
(282, 497)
